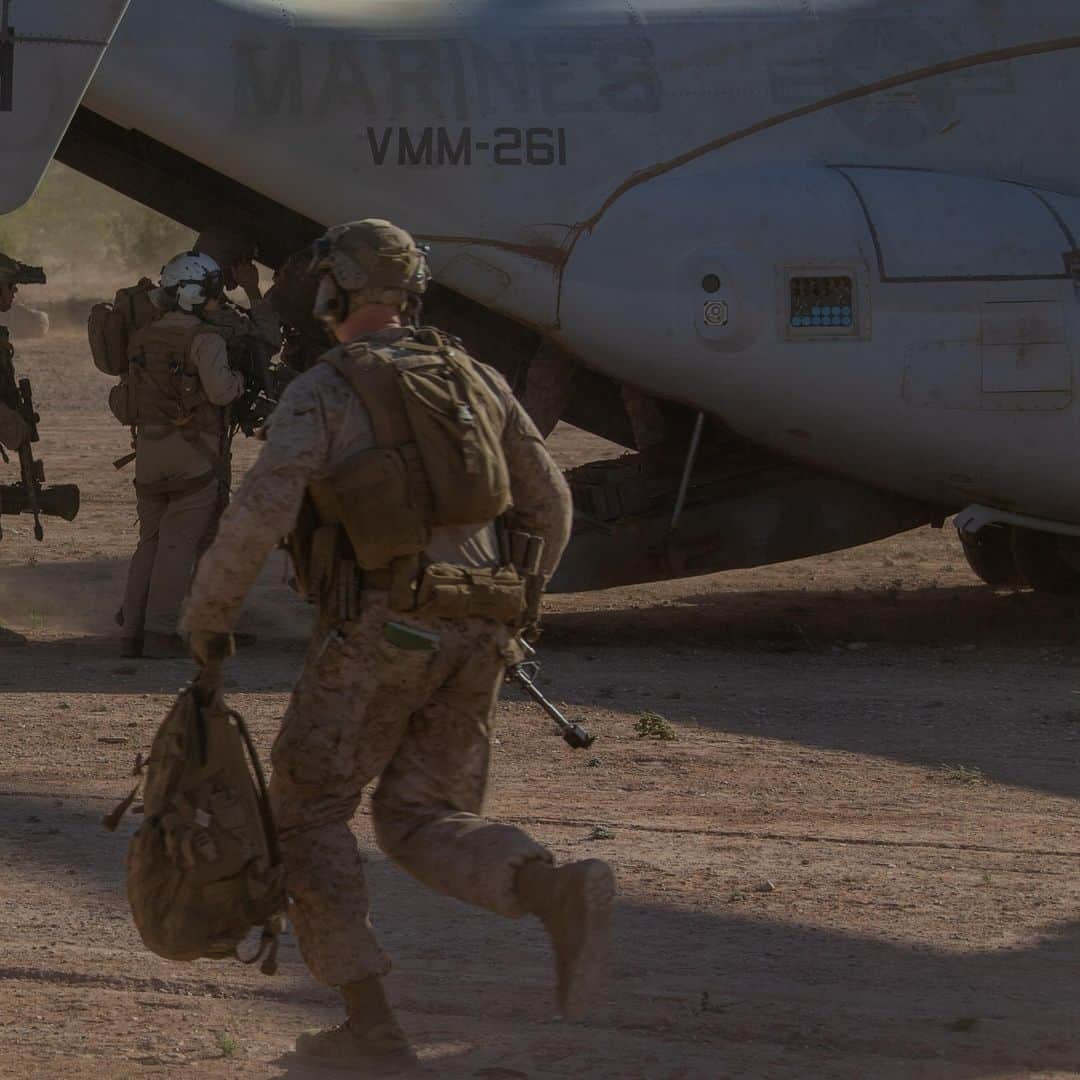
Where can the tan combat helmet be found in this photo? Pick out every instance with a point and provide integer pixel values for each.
(367, 262)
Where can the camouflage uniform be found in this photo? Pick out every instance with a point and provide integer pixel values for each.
(419, 721)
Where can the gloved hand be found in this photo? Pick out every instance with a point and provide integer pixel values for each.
(209, 647)
(247, 277)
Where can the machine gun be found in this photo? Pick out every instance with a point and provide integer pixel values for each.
(524, 674)
(29, 496)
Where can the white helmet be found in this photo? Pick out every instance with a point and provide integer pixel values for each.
(191, 279)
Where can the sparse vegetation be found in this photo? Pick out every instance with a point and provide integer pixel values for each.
(601, 832)
(226, 1044)
(653, 726)
(963, 1023)
(964, 774)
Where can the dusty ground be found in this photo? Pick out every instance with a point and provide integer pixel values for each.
(889, 745)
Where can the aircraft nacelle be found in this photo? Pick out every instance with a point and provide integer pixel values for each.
(803, 305)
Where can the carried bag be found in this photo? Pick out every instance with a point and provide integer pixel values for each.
(204, 868)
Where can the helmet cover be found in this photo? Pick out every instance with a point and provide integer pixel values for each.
(371, 254)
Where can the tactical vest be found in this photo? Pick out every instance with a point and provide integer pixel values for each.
(162, 387)
(437, 461)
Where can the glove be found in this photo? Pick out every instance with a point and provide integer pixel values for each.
(209, 647)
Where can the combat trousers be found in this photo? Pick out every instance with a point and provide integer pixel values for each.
(170, 528)
(420, 722)
(224, 493)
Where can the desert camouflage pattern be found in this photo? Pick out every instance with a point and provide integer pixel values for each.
(421, 722)
(364, 708)
(318, 424)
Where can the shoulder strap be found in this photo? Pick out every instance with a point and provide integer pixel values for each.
(439, 339)
(373, 377)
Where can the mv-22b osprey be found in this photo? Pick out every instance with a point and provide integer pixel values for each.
(816, 259)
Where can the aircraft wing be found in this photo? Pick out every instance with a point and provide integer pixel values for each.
(49, 51)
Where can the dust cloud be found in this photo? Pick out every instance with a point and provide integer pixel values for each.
(90, 239)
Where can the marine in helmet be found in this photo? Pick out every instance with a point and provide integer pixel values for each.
(234, 249)
(13, 429)
(175, 397)
(252, 336)
(304, 336)
(419, 501)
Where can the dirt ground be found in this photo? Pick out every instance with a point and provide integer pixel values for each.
(859, 857)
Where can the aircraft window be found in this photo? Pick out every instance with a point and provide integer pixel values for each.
(822, 302)
(710, 283)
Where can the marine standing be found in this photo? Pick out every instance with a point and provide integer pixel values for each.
(418, 621)
(14, 431)
(175, 397)
(252, 335)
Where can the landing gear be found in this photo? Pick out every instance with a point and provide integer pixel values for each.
(1011, 557)
(989, 553)
(1047, 562)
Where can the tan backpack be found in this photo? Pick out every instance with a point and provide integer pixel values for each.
(204, 867)
(110, 326)
(438, 457)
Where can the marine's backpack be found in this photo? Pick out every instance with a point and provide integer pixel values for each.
(110, 326)
(438, 458)
(204, 868)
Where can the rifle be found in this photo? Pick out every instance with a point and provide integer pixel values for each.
(524, 674)
(29, 496)
(263, 384)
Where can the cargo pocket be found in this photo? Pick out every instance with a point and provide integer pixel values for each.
(406, 655)
(309, 747)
